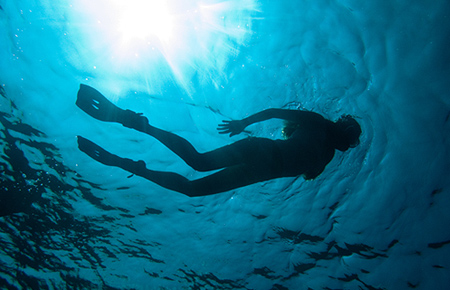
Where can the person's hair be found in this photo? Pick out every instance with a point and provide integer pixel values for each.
(350, 130)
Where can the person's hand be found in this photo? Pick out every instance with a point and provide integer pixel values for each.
(232, 127)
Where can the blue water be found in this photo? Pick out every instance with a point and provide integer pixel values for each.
(376, 218)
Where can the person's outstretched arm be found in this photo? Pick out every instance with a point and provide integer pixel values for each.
(237, 126)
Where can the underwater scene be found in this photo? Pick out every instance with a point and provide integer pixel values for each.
(224, 144)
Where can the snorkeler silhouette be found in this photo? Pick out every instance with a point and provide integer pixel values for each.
(310, 146)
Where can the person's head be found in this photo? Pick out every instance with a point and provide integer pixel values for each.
(348, 132)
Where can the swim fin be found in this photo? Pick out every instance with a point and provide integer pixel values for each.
(96, 105)
(101, 155)
(97, 153)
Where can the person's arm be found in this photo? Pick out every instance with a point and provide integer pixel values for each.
(237, 126)
(289, 115)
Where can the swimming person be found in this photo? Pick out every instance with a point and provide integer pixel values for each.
(310, 146)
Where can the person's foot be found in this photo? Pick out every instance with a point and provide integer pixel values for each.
(133, 120)
(96, 105)
(136, 167)
(101, 155)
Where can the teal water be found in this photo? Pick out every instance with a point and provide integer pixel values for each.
(376, 218)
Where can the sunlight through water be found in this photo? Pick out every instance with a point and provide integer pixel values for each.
(376, 218)
(155, 41)
(141, 19)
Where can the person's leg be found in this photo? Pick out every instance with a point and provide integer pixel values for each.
(96, 105)
(224, 180)
(165, 179)
(227, 156)
(221, 181)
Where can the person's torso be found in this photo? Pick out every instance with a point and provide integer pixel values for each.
(307, 151)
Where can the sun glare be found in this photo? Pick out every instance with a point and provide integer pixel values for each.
(144, 18)
(155, 41)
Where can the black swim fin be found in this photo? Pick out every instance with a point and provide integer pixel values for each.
(96, 105)
(101, 155)
(96, 152)
(89, 147)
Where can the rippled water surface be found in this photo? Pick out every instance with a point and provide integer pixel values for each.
(376, 218)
